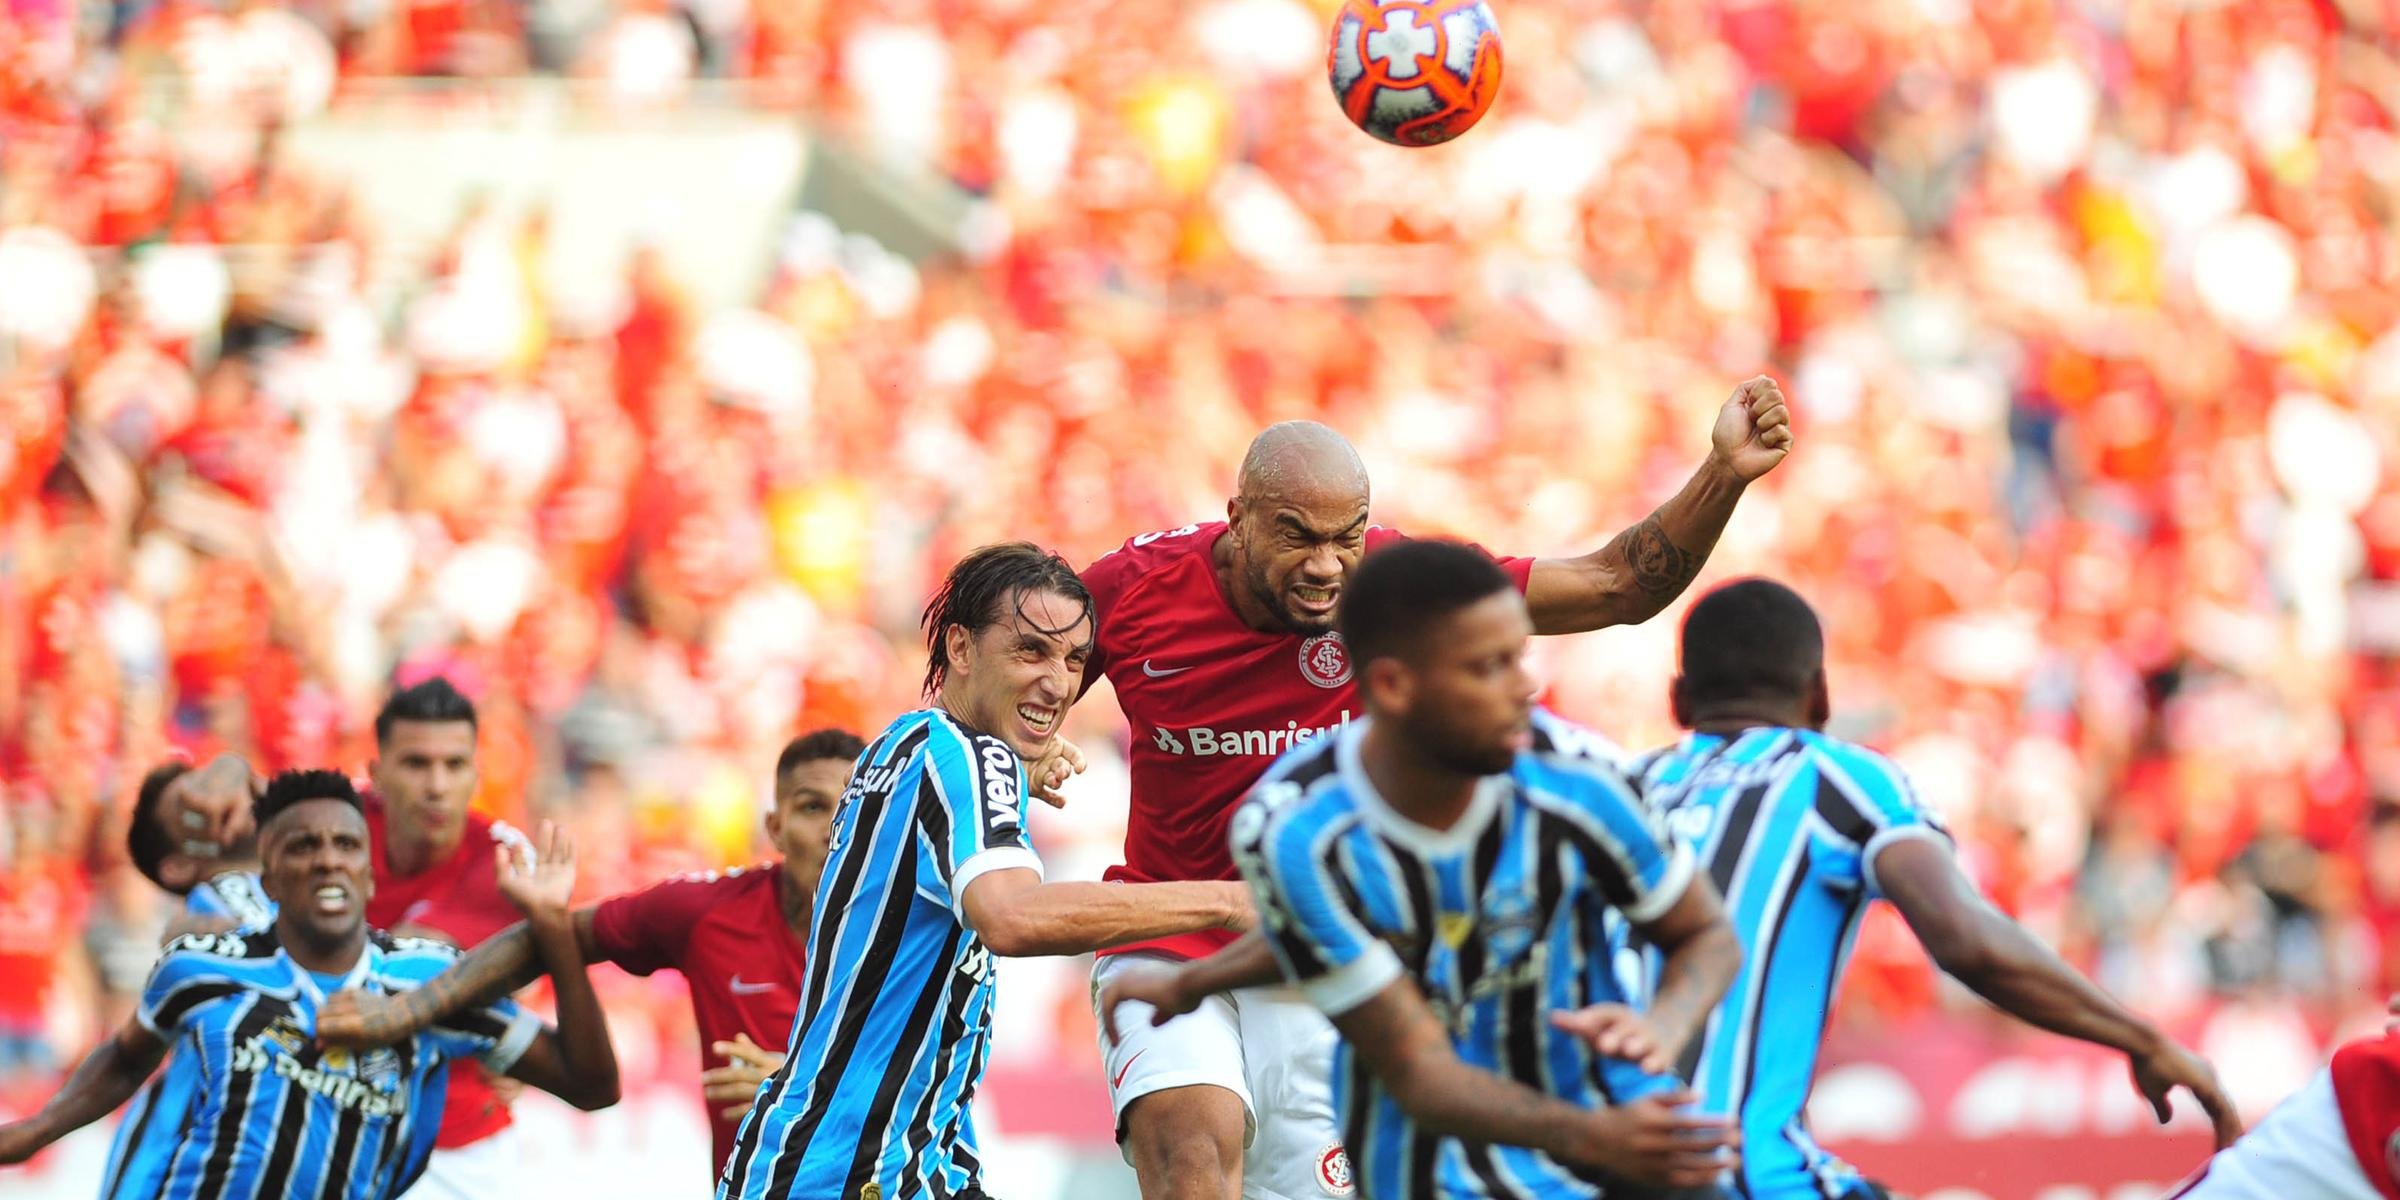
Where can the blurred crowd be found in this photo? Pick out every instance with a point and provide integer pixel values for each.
(2087, 312)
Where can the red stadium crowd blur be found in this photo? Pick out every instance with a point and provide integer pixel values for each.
(2088, 316)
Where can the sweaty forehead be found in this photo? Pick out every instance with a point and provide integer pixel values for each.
(431, 737)
(322, 817)
(1047, 616)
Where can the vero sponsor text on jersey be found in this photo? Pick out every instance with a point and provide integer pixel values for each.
(1201, 741)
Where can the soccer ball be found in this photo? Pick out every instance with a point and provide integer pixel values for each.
(1414, 72)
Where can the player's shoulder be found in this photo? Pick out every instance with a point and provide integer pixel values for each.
(1300, 798)
(228, 949)
(700, 891)
(1868, 773)
(239, 895)
(409, 961)
(1559, 741)
(1147, 556)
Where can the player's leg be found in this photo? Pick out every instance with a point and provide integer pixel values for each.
(1182, 1105)
(1287, 1049)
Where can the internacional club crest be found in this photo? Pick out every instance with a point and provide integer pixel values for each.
(1325, 661)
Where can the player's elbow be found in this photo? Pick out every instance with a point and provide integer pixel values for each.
(1010, 932)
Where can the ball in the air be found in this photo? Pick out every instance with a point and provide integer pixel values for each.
(1414, 72)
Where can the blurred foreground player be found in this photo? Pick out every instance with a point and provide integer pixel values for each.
(1220, 641)
(930, 874)
(1436, 877)
(273, 1115)
(738, 937)
(2337, 1138)
(1800, 833)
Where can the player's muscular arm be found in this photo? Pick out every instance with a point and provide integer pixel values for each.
(1398, 1037)
(1640, 571)
(1698, 956)
(1173, 991)
(504, 964)
(575, 1062)
(2004, 963)
(1019, 916)
(107, 1078)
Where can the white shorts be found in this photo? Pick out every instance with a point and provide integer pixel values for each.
(1265, 1045)
(485, 1170)
(2300, 1151)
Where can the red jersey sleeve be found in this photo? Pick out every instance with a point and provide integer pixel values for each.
(2366, 1084)
(648, 930)
(1520, 569)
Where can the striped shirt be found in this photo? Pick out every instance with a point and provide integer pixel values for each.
(273, 1116)
(896, 1011)
(1788, 822)
(1497, 920)
(153, 1123)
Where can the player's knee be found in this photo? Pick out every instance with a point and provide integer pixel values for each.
(1186, 1143)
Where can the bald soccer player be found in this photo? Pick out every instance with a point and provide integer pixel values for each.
(1219, 638)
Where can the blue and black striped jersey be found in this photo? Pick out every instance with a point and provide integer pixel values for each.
(270, 1115)
(1788, 822)
(895, 1019)
(1497, 919)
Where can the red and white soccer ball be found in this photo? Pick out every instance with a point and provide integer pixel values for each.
(1414, 72)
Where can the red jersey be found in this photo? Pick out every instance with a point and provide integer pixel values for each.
(714, 928)
(2366, 1084)
(1211, 701)
(458, 897)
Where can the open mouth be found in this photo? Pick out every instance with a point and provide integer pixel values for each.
(333, 899)
(1039, 720)
(1317, 600)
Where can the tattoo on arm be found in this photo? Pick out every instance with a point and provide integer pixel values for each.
(488, 972)
(1659, 567)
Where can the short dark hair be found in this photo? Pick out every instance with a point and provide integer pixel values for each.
(819, 745)
(1400, 591)
(147, 840)
(299, 787)
(432, 700)
(1752, 639)
(972, 594)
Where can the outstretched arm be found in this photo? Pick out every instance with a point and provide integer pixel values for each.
(1640, 571)
(1018, 916)
(2003, 963)
(575, 1062)
(107, 1078)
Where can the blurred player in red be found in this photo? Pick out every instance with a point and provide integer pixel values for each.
(2337, 1138)
(434, 878)
(1219, 639)
(737, 936)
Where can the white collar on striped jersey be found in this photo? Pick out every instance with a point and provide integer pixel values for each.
(1458, 839)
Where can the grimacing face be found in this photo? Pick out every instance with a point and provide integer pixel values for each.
(1464, 694)
(315, 865)
(1292, 553)
(425, 772)
(801, 823)
(1014, 680)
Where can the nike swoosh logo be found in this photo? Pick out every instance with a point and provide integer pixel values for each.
(1119, 1081)
(1155, 673)
(750, 989)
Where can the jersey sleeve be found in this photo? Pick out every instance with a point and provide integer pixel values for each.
(235, 896)
(980, 826)
(187, 975)
(1288, 854)
(1866, 802)
(1518, 568)
(646, 931)
(1640, 867)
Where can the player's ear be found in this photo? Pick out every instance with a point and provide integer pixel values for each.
(957, 640)
(775, 823)
(1387, 684)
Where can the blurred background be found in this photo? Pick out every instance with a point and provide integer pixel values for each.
(638, 363)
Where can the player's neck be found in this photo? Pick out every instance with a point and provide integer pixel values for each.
(335, 957)
(795, 896)
(1253, 612)
(1733, 720)
(414, 851)
(1413, 785)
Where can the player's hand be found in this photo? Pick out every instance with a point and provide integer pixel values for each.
(1658, 1142)
(19, 1140)
(2170, 1066)
(1753, 430)
(735, 1085)
(541, 886)
(1159, 987)
(1615, 1031)
(357, 1019)
(209, 807)
(1052, 771)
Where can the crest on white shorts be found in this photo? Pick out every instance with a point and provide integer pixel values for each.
(1325, 661)
(1333, 1171)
